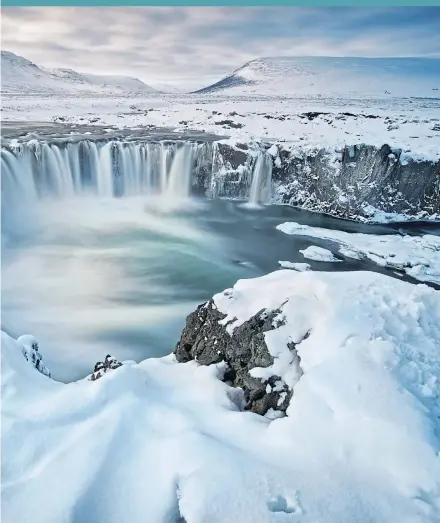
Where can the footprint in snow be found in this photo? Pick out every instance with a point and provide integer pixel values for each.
(285, 504)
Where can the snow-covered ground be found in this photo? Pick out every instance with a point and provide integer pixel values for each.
(351, 106)
(417, 256)
(160, 440)
(410, 125)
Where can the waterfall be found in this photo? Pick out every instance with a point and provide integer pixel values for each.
(260, 190)
(17, 176)
(163, 167)
(34, 170)
(104, 175)
(179, 180)
(108, 169)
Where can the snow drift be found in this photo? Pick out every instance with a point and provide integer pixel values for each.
(167, 442)
(331, 76)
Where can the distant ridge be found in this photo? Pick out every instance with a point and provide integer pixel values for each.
(304, 76)
(19, 75)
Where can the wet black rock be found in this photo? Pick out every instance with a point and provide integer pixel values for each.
(207, 341)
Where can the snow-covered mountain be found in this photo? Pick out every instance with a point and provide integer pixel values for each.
(327, 76)
(19, 75)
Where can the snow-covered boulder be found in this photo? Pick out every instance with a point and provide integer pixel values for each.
(102, 367)
(31, 352)
(207, 340)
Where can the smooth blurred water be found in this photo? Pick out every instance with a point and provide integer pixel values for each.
(90, 276)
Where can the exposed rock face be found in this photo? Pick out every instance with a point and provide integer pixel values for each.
(351, 183)
(360, 176)
(231, 172)
(207, 341)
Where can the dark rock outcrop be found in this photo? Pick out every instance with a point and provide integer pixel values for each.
(102, 367)
(207, 341)
(360, 176)
(350, 183)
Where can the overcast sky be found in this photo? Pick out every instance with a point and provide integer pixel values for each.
(195, 46)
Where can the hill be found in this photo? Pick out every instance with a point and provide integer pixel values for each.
(323, 76)
(21, 76)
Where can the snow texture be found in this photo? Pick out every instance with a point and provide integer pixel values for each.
(417, 256)
(295, 266)
(166, 442)
(318, 254)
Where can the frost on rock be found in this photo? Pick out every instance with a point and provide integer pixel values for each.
(31, 353)
(365, 182)
(102, 367)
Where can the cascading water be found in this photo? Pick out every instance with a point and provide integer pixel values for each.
(124, 272)
(179, 181)
(34, 170)
(261, 179)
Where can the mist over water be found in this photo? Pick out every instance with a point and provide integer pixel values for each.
(90, 273)
(90, 276)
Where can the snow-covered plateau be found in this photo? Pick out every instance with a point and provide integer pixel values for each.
(164, 441)
(309, 390)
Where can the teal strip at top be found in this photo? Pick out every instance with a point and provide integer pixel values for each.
(126, 3)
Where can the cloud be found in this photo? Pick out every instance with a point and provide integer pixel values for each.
(193, 46)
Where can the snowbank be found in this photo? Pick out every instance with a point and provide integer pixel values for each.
(295, 266)
(318, 254)
(417, 256)
(161, 440)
